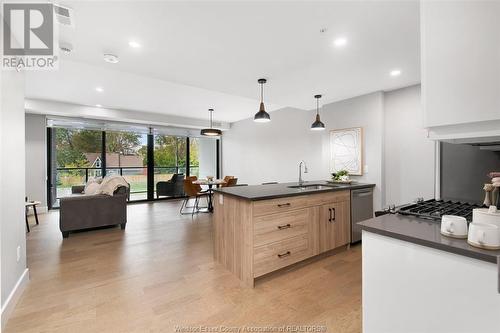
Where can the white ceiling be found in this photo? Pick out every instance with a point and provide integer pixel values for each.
(197, 55)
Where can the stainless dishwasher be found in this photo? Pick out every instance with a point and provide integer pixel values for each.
(361, 209)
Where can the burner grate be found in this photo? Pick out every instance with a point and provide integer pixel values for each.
(434, 209)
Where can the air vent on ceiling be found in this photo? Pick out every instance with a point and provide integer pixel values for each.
(64, 15)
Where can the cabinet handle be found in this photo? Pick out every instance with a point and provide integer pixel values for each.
(284, 205)
(286, 226)
(330, 215)
(333, 218)
(283, 255)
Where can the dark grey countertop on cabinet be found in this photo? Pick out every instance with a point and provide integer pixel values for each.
(426, 233)
(282, 190)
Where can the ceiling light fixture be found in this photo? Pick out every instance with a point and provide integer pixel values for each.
(134, 44)
(395, 72)
(317, 125)
(211, 131)
(262, 116)
(111, 58)
(339, 42)
(99, 89)
(98, 105)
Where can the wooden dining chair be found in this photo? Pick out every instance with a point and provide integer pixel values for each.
(227, 180)
(192, 191)
(231, 182)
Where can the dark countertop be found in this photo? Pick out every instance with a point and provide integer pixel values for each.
(426, 233)
(281, 190)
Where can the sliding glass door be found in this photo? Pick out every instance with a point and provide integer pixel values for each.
(144, 160)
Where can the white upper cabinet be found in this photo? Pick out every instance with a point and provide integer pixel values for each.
(460, 45)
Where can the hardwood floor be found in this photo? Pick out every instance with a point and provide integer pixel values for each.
(160, 273)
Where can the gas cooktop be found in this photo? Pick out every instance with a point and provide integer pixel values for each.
(434, 209)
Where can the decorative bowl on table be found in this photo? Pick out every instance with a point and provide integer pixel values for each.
(210, 178)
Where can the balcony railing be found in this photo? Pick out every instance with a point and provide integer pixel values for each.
(135, 176)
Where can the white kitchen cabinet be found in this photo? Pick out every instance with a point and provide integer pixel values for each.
(412, 288)
(460, 48)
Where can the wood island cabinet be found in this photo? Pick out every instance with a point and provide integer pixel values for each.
(254, 238)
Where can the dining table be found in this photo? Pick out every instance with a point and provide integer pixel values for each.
(210, 184)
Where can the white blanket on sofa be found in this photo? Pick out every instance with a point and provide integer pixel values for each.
(111, 183)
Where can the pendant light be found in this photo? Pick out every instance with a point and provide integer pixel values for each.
(211, 131)
(262, 116)
(317, 125)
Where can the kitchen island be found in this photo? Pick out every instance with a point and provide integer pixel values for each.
(263, 228)
(417, 280)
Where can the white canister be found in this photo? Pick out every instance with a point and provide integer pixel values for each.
(454, 226)
(486, 215)
(484, 235)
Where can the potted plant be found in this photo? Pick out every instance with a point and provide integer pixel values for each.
(341, 176)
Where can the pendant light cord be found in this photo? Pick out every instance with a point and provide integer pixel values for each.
(317, 106)
(211, 112)
(262, 92)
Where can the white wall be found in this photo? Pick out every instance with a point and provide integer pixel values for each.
(409, 155)
(12, 179)
(207, 157)
(256, 152)
(365, 111)
(262, 152)
(36, 157)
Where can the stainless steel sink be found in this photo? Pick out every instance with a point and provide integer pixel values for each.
(310, 187)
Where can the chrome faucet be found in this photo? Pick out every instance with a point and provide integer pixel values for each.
(301, 181)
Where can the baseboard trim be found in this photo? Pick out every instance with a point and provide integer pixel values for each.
(14, 296)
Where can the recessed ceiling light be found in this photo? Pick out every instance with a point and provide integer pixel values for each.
(339, 42)
(111, 58)
(134, 44)
(98, 105)
(99, 89)
(395, 72)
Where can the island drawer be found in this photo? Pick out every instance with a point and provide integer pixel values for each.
(272, 206)
(279, 205)
(328, 197)
(270, 257)
(280, 226)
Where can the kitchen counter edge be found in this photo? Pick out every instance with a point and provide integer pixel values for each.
(426, 233)
(282, 190)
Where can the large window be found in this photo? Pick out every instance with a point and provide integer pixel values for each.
(75, 155)
(126, 155)
(169, 157)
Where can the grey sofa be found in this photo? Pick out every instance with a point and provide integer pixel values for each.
(172, 188)
(80, 212)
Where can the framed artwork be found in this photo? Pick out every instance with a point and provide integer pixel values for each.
(346, 147)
